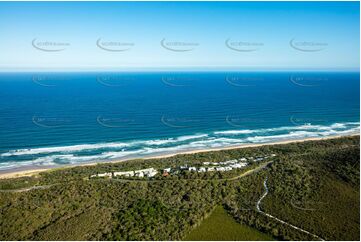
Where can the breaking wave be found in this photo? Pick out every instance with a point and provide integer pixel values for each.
(84, 153)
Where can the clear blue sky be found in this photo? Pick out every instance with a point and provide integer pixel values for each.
(330, 29)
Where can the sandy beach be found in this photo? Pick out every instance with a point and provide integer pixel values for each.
(30, 171)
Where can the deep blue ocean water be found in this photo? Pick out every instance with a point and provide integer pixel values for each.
(51, 119)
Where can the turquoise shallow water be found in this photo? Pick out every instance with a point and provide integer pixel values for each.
(51, 119)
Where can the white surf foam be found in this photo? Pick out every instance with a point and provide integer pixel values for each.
(245, 131)
(289, 128)
(156, 146)
(71, 148)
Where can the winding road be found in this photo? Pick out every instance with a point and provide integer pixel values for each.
(277, 219)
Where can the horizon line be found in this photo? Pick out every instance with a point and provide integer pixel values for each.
(180, 69)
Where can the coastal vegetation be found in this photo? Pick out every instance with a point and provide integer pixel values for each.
(313, 185)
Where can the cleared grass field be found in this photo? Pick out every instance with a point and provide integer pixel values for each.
(221, 226)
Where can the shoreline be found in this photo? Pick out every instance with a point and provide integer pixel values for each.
(30, 171)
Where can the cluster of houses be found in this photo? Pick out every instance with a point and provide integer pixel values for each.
(150, 172)
(222, 166)
(207, 167)
(215, 166)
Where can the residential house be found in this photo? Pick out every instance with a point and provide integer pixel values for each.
(192, 169)
(167, 170)
(124, 173)
(139, 174)
(202, 169)
(184, 167)
(108, 174)
(220, 169)
(150, 172)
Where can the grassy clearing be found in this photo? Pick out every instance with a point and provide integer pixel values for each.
(221, 226)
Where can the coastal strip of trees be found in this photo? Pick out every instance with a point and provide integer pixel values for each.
(313, 185)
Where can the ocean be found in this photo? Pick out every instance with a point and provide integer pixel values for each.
(57, 119)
